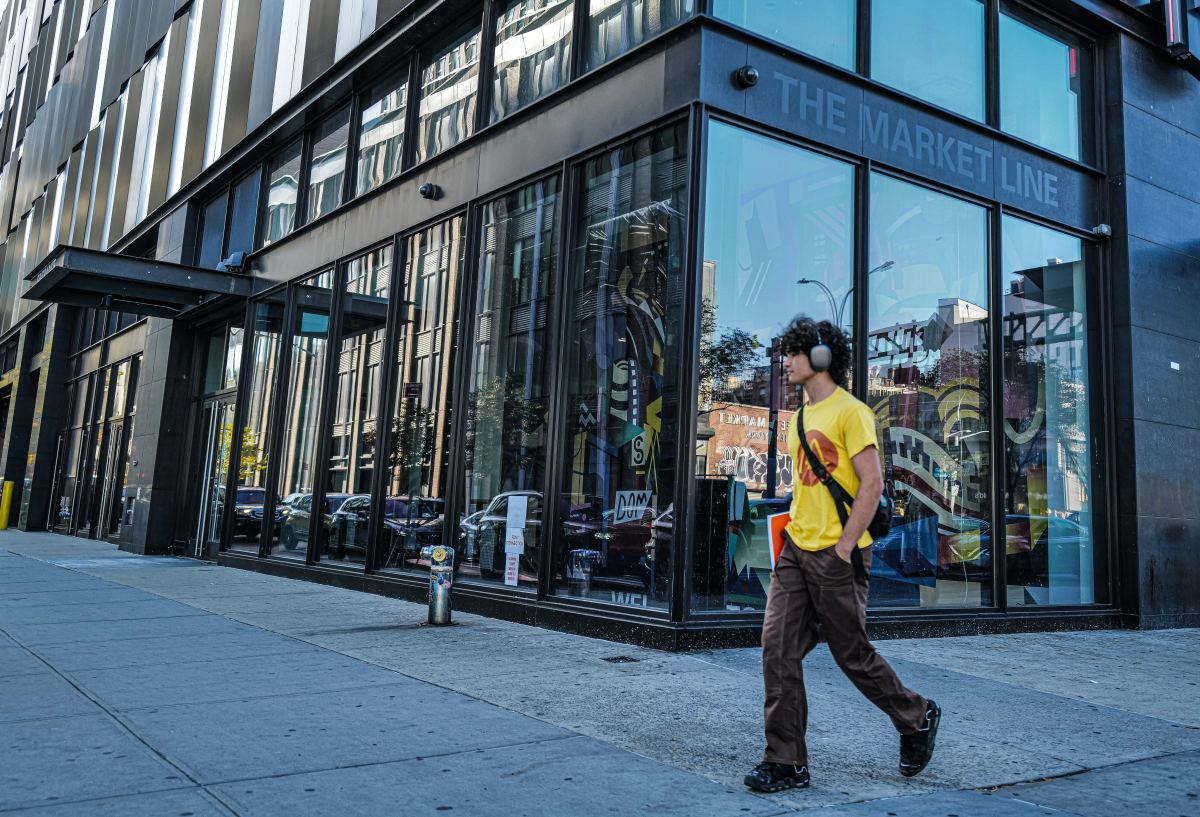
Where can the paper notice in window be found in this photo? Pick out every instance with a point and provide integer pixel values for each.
(776, 523)
(518, 510)
(511, 569)
(514, 541)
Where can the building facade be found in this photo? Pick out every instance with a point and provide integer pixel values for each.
(314, 287)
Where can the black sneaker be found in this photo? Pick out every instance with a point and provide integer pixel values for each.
(916, 750)
(771, 777)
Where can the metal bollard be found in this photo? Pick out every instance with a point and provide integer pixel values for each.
(441, 577)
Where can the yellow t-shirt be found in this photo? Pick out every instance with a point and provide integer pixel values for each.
(837, 428)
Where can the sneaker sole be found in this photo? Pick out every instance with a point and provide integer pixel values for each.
(934, 720)
(783, 785)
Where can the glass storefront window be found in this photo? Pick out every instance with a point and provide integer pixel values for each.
(212, 231)
(283, 188)
(616, 26)
(418, 455)
(1049, 553)
(533, 52)
(823, 28)
(775, 214)
(250, 495)
(500, 533)
(927, 364)
(381, 134)
(622, 346)
(214, 352)
(327, 165)
(244, 214)
(1040, 86)
(449, 93)
(932, 49)
(358, 376)
(233, 358)
(222, 359)
(308, 337)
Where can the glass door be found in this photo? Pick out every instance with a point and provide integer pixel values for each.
(216, 438)
(114, 480)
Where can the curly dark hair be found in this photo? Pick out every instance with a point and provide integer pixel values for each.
(801, 336)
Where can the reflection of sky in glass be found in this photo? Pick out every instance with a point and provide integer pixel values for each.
(932, 49)
(1039, 97)
(938, 244)
(823, 28)
(1027, 245)
(775, 214)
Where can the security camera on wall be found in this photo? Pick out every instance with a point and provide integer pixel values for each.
(233, 263)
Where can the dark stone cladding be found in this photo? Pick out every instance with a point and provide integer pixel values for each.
(1153, 120)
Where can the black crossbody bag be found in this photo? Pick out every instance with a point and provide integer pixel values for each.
(881, 523)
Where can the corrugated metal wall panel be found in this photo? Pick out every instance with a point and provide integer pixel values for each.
(266, 53)
(241, 73)
(321, 42)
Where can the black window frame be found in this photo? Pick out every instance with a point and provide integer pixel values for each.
(347, 109)
(395, 77)
(423, 57)
(1089, 90)
(264, 193)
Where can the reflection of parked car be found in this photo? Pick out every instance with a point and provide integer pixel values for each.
(622, 546)
(490, 529)
(294, 528)
(468, 537)
(248, 510)
(349, 525)
(1045, 551)
(412, 523)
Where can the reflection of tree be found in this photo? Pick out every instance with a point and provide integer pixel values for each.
(957, 363)
(412, 440)
(722, 359)
(500, 422)
(252, 460)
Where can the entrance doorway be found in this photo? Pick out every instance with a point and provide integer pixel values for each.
(116, 505)
(92, 468)
(215, 439)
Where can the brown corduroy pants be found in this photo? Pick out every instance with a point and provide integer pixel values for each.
(818, 587)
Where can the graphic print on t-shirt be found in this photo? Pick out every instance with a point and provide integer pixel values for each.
(826, 452)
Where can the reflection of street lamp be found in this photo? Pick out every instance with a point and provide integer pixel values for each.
(960, 437)
(834, 312)
(836, 309)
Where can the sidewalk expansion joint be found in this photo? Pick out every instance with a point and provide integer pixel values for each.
(87, 800)
(438, 755)
(117, 718)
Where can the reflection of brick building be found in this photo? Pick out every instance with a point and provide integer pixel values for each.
(738, 446)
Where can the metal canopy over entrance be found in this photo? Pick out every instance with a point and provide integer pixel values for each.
(143, 286)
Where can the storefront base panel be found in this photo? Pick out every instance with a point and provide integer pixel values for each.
(616, 625)
(1164, 622)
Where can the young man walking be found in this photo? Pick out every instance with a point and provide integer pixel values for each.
(821, 575)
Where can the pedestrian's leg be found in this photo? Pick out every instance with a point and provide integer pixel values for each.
(840, 598)
(789, 634)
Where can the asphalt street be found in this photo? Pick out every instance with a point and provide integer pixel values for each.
(161, 686)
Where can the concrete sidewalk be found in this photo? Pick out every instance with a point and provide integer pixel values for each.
(157, 686)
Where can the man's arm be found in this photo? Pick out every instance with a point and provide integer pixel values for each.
(870, 488)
